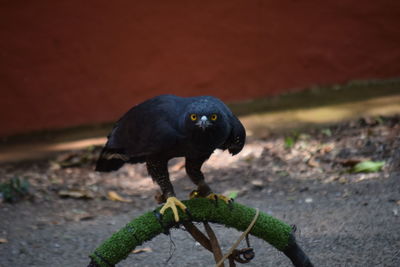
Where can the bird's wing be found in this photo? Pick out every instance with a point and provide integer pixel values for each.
(147, 129)
(237, 137)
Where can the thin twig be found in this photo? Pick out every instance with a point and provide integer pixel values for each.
(197, 235)
(217, 252)
(239, 239)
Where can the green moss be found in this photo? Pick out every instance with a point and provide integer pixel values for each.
(147, 226)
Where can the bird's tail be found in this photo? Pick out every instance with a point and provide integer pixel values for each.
(110, 160)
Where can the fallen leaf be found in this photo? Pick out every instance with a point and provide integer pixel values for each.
(327, 148)
(302, 136)
(83, 217)
(351, 161)
(368, 166)
(257, 184)
(74, 159)
(76, 194)
(142, 250)
(282, 173)
(367, 176)
(371, 121)
(114, 196)
(249, 158)
(3, 240)
(14, 190)
(54, 165)
(289, 142)
(233, 194)
(312, 162)
(326, 132)
(346, 194)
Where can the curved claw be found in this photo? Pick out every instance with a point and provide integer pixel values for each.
(172, 202)
(214, 196)
(194, 194)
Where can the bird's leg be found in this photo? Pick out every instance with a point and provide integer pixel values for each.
(193, 167)
(158, 170)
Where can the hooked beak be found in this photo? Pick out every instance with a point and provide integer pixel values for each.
(203, 123)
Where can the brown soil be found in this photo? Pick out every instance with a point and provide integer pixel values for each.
(343, 218)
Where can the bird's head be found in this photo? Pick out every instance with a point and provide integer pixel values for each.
(202, 120)
(206, 123)
(204, 117)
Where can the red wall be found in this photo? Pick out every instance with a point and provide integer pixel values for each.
(70, 62)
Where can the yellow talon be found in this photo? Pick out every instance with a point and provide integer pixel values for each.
(194, 194)
(172, 202)
(214, 196)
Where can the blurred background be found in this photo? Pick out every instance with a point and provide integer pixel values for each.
(71, 63)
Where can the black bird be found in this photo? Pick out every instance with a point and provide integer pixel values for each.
(168, 126)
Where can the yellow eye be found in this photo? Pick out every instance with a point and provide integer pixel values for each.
(193, 117)
(214, 117)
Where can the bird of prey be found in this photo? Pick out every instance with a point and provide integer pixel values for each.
(168, 126)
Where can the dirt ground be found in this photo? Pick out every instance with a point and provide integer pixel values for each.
(301, 177)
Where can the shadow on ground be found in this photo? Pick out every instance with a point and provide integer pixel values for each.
(343, 218)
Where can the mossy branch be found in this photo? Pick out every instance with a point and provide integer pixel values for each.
(234, 215)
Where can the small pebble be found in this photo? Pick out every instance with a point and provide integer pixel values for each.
(308, 200)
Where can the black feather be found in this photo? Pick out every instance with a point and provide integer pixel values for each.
(110, 160)
(161, 128)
